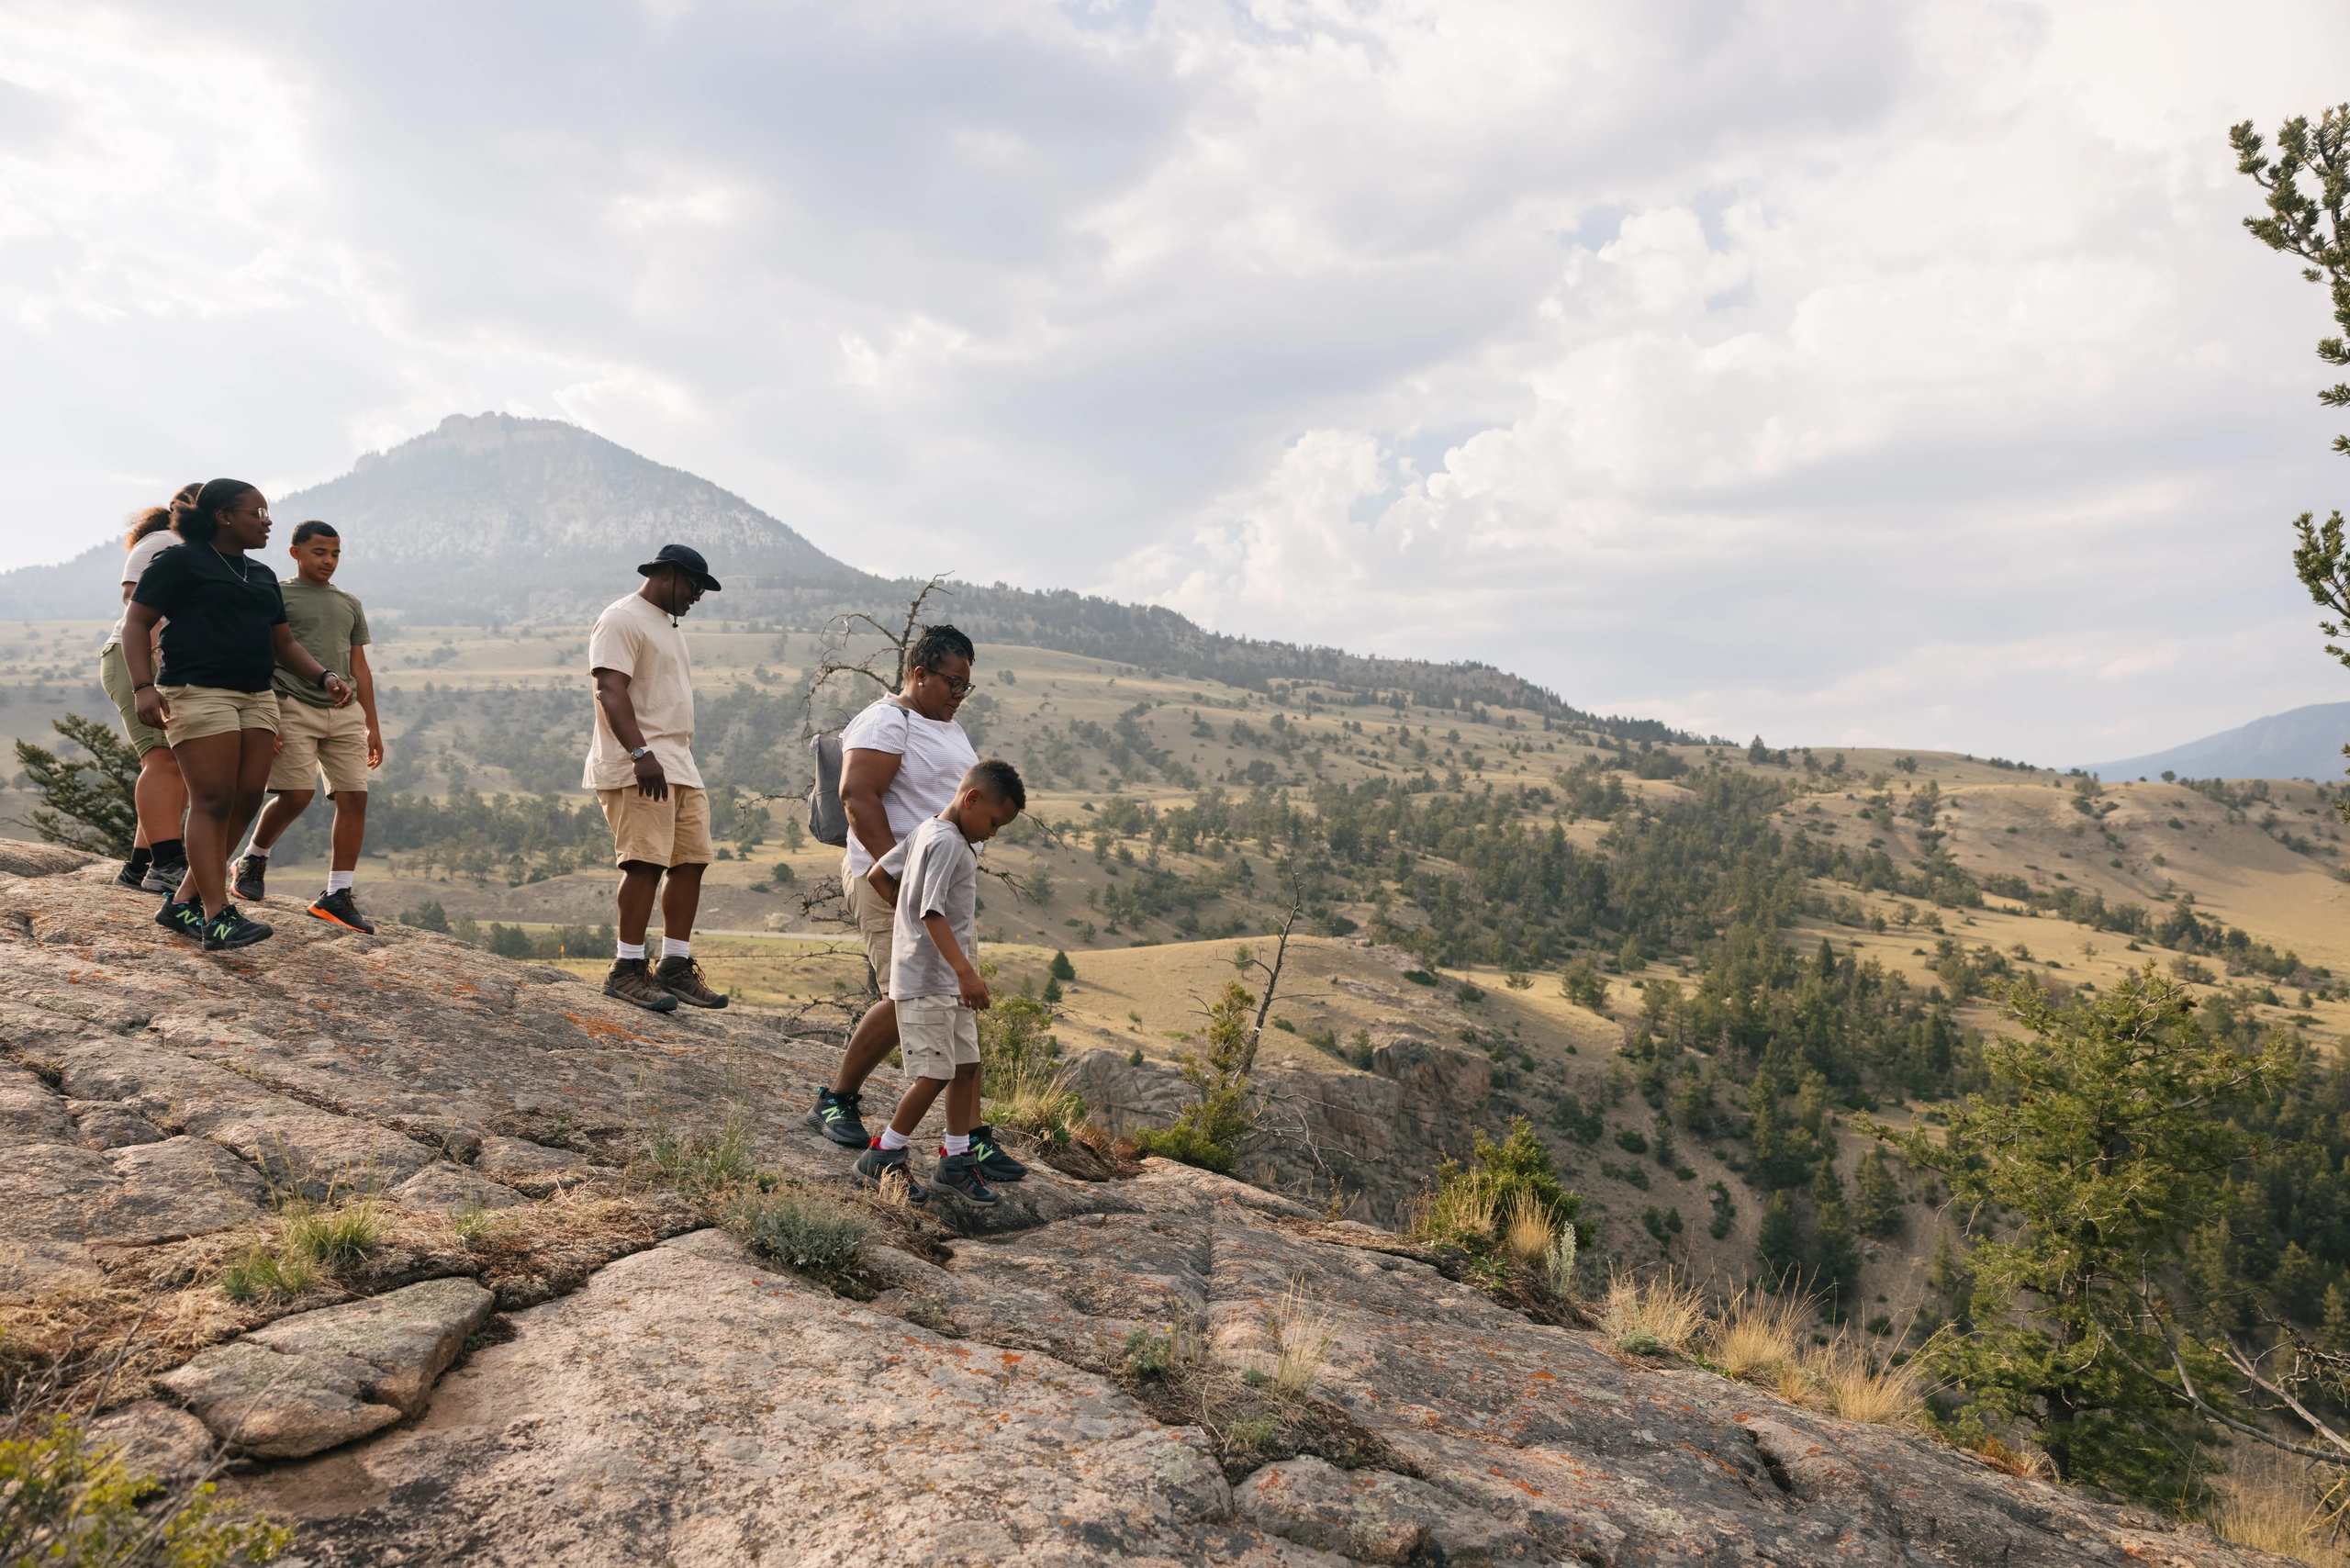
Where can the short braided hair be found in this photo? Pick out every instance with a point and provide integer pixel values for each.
(936, 646)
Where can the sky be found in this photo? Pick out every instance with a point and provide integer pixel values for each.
(1882, 373)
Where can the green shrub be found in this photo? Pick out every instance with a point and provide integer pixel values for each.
(699, 1163)
(801, 1229)
(1187, 1144)
(1419, 976)
(427, 916)
(64, 1501)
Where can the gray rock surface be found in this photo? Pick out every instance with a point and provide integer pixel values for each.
(318, 1379)
(152, 1438)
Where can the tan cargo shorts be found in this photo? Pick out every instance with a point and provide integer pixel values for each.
(876, 919)
(199, 711)
(675, 832)
(936, 1034)
(113, 674)
(332, 741)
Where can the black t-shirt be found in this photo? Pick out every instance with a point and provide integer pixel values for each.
(218, 618)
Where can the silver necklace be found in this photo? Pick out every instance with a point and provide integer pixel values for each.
(243, 575)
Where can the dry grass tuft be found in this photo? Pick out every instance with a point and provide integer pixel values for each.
(1452, 1211)
(1850, 1384)
(1303, 1332)
(1757, 1333)
(1528, 1230)
(2268, 1502)
(1646, 1316)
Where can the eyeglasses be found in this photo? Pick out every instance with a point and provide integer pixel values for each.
(954, 688)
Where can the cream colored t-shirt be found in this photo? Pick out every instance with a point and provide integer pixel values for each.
(638, 641)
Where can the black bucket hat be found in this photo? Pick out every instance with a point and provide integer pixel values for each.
(687, 559)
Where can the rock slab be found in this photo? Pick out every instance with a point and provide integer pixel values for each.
(318, 1379)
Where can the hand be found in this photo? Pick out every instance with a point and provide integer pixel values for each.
(973, 991)
(152, 710)
(374, 747)
(651, 781)
(881, 882)
(277, 746)
(340, 690)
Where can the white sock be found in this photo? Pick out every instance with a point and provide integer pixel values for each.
(673, 949)
(340, 881)
(892, 1138)
(256, 851)
(953, 1143)
(630, 949)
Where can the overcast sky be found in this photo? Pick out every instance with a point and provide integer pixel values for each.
(1878, 373)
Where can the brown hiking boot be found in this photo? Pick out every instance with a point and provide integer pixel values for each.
(631, 983)
(681, 977)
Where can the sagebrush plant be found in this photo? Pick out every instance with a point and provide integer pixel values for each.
(68, 1501)
(802, 1228)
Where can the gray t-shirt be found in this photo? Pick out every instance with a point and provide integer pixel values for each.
(941, 876)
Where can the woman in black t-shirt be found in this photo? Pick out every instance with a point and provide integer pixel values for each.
(224, 635)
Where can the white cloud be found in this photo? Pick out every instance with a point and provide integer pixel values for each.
(1891, 370)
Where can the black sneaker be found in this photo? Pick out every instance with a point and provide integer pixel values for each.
(960, 1174)
(182, 919)
(134, 872)
(878, 1164)
(231, 929)
(836, 1116)
(246, 877)
(995, 1161)
(165, 876)
(338, 907)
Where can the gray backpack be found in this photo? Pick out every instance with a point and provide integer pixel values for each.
(827, 821)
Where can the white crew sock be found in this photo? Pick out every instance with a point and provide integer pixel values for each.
(340, 881)
(952, 1144)
(673, 949)
(256, 851)
(630, 949)
(892, 1138)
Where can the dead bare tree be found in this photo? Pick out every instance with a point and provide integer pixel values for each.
(833, 660)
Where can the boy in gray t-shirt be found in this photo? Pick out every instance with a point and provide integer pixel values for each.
(936, 985)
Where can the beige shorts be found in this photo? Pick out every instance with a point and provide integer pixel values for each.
(199, 711)
(875, 918)
(332, 741)
(113, 674)
(936, 1034)
(675, 832)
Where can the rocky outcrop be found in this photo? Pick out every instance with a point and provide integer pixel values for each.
(1377, 1132)
(973, 1394)
(317, 1379)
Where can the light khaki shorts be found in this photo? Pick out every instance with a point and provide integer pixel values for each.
(332, 741)
(675, 832)
(877, 919)
(113, 674)
(936, 1034)
(199, 711)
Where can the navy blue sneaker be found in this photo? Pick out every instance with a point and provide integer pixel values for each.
(836, 1116)
(960, 1174)
(995, 1162)
(182, 919)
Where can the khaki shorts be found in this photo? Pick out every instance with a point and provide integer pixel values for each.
(332, 741)
(876, 919)
(675, 832)
(936, 1034)
(113, 674)
(199, 711)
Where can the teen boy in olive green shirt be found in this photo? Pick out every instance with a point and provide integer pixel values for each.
(315, 737)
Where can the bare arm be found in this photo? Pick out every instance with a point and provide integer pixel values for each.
(619, 711)
(967, 983)
(138, 653)
(865, 776)
(366, 675)
(294, 656)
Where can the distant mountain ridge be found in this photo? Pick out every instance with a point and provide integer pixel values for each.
(491, 518)
(2304, 742)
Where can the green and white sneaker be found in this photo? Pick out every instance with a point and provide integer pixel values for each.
(231, 929)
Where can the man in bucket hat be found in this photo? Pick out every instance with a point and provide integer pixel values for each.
(641, 764)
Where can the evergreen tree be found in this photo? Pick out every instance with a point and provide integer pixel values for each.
(1876, 1199)
(2109, 1134)
(84, 805)
(1779, 1248)
(1835, 1261)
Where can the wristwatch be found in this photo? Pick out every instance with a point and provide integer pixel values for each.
(640, 754)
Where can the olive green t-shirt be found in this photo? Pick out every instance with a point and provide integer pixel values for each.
(329, 623)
